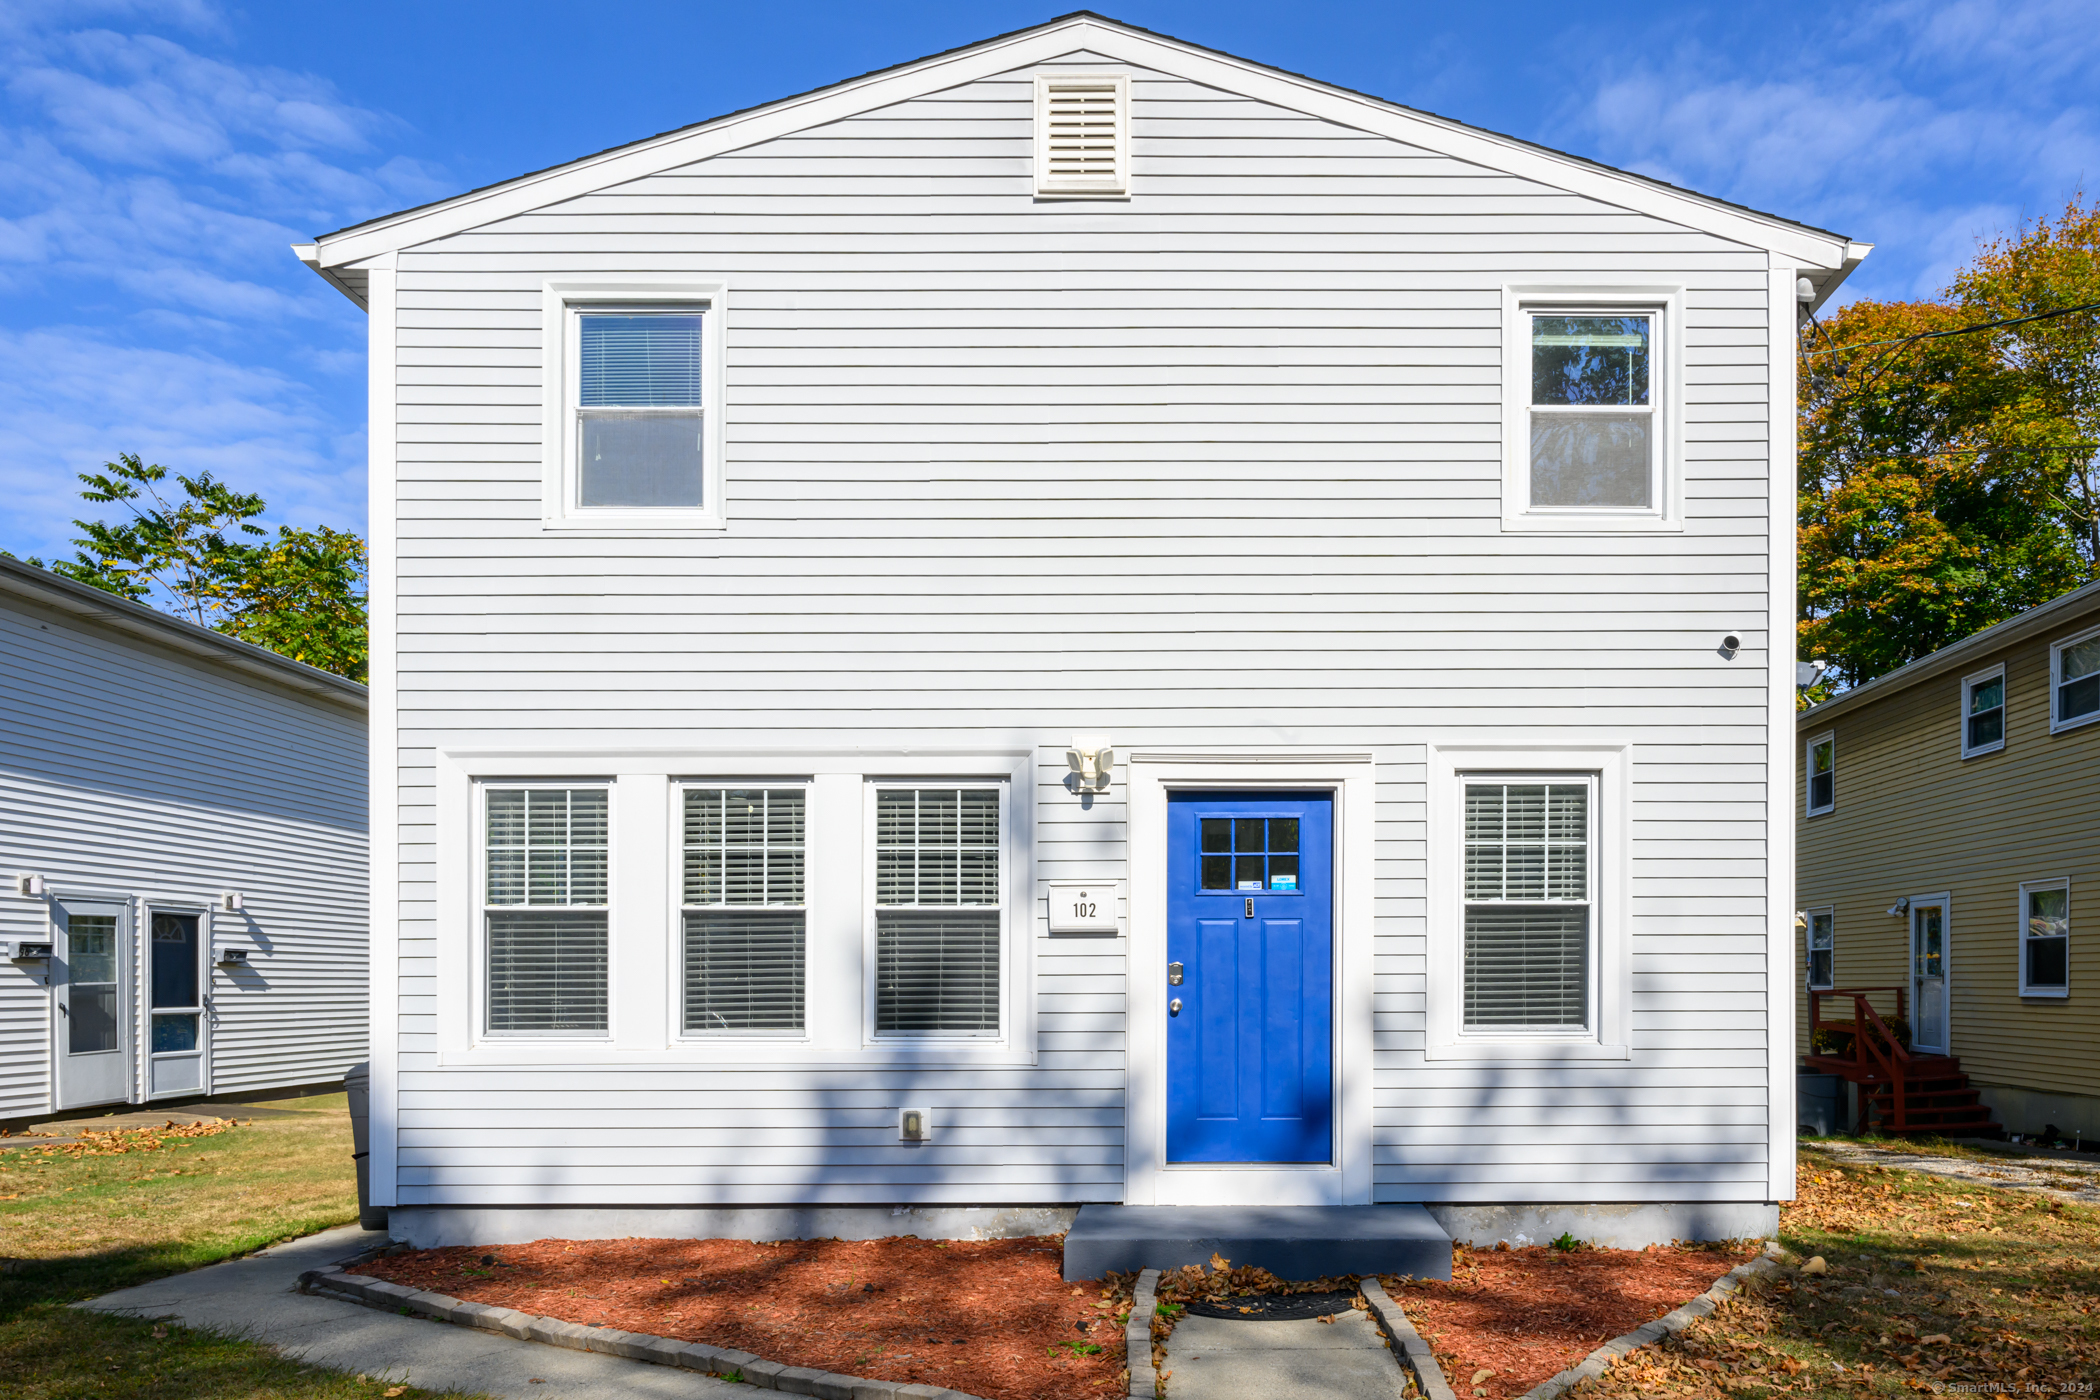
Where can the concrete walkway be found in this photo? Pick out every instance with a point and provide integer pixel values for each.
(2009, 1171)
(258, 1298)
(1215, 1358)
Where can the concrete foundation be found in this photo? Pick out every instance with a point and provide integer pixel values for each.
(427, 1227)
(2028, 1111)
(1293, 1242)
(1612, 1226)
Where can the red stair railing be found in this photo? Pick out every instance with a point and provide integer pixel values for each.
(1875, 1056)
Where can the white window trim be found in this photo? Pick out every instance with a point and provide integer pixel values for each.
(675, 868)
(2048, 993)
(1611, 1036)
(478, 988)
(1968, 684)
(561, 303)
(1665, 301)
(1808, 929)
(1808, 773)
(643, 956)
(2056, 671)
(1049, 189)
(1016, 911)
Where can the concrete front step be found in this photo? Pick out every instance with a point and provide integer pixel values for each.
(1292, 1242)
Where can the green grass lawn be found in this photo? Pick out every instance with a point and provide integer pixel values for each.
(74, 1225)
(1932, 1286)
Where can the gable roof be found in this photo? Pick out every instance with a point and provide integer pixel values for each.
(2066, 610)
(1825, 257)
(135, 620)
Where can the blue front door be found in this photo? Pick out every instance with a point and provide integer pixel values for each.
(1250, 962)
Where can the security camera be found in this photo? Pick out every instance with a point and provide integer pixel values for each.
(1730, 645)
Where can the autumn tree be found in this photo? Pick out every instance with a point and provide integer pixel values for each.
(1947, 473)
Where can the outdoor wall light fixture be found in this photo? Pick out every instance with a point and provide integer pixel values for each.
(29, 886)
(1092, 760)
(1900, 908)
(914, 1124)
(230, 902)
(1730, 645)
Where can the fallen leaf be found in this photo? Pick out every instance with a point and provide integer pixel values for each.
(1936, 1339)
(393, 1390)
(1481, 1376)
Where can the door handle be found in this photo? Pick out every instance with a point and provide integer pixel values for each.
(1174, 1007)
(1173, 974)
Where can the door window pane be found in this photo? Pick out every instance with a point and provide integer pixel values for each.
(91, 948)
(172, 1035)
(173, 949)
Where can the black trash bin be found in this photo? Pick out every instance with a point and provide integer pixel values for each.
(357, 1083)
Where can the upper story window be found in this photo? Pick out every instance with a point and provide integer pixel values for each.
(1822, 949)
(745, 967)
(1822, 774)
(1590, 439)
(2074, 672)
(2045, 938)
(545, 905)
(1082, 135)
(1983, 712)
(634, 430)
(939, 911)
(1528, 898)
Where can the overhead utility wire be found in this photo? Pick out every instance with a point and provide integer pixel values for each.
(1957, 330)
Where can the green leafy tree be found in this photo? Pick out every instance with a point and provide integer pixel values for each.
(1947, 480)
(302, 594)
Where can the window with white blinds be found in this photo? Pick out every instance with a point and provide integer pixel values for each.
(640, 410)
(744, 911)
(1082, 142)
(1528, 904)
(939, 911)
(544, 910)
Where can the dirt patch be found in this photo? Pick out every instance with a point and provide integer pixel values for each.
(1527, 1314)
(990, 1318)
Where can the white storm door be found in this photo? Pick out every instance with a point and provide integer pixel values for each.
(175, 1022)
(1928, 976)
(91, 992)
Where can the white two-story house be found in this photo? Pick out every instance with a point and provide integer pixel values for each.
(1081, 620)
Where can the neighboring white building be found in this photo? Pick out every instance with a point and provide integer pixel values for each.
(185, 847)
(761, 511)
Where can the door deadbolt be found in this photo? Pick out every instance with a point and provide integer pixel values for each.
(1173, 974)
(1174, 1007)
(1250, 908)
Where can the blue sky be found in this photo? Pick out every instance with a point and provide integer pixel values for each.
(157, 156)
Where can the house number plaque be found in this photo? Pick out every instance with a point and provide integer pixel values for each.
(1086, 907)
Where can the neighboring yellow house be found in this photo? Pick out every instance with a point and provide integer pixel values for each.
(1949, 849)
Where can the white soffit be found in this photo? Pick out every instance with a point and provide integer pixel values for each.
(1795, 245)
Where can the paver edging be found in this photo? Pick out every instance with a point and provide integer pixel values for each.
(1137, 1336)
(639, 1346)
(1676, 1320)
(1413, 1353)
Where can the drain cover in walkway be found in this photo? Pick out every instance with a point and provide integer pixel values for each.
(1271, 1307)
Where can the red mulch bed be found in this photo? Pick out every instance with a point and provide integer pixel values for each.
(1527, 1314)
(990, 1318)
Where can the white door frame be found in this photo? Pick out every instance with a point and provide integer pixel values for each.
(1945, 901)
(1148, 1179)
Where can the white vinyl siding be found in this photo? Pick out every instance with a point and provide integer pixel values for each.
(545, 868)
(744, 921)
(129, 769)
(939, 924)
(1216, 469)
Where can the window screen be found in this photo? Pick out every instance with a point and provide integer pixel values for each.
(1528, 904)
(1822, 949)
(2078, 680)
(641, 421)
(546, 861)
(938, 917)
(744, 934)
(2045, 943)
(1593, 429)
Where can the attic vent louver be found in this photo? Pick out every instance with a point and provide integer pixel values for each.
(1082, 135)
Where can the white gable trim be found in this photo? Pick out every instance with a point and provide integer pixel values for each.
(1800, 246)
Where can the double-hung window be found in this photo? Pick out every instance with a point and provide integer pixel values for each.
(2074, 666)
(1822, 949)
(1529, 925)
(1983, 712)
(1822, 774)
(545, 910)
(744, 950)
(2045, 938)
(940, 913)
